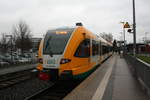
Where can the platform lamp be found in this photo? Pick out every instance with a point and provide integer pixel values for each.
(134, 28)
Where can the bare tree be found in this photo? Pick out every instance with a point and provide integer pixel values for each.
(4, 43)
(22, 36)
(108, 37)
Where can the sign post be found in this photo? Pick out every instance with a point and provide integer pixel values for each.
(125, 25)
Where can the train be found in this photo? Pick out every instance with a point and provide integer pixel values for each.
(71, 53)
(141, 48)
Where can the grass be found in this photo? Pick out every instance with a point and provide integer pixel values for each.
(144, 58)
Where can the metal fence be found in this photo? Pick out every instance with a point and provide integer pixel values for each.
(141, 71)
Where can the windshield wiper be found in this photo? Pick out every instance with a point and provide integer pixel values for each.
(49, 47)
(51, 53)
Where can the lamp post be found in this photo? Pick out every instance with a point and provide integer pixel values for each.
(11, 45)
(134, 29)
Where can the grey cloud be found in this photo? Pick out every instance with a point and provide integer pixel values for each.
(97, 15)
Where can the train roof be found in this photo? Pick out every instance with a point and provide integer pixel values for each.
(62, 28)
(65, 28)
(104, 41)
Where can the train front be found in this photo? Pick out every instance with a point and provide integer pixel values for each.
(53, 49)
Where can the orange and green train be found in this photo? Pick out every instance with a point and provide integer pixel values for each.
(71, 53)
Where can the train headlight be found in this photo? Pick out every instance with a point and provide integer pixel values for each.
(64, 60)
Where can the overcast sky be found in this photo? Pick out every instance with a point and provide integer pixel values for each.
(96, 15)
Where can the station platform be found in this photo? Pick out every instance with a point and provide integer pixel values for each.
(113, 80)
(16, 68)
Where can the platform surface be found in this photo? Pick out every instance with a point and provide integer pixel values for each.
(111, 81)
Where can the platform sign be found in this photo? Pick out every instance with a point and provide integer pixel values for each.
(126, 25)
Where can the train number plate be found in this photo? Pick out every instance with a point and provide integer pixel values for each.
(52, 61)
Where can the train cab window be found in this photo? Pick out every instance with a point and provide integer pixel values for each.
(56, 40)
(83, 50)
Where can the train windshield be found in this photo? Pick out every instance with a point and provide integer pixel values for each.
(56, 40)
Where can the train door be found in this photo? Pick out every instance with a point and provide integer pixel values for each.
(95, 53)
(100, 51)
(104, 51)
(83, 52)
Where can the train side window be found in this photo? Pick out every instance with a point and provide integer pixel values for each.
(83, 49)
(103, 49)
(94, 48)
(106, 49)
(97, 50)
(100, 48)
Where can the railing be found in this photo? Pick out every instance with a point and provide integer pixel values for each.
(141, 71)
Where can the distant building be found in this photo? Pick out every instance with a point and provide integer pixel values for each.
(35, 44)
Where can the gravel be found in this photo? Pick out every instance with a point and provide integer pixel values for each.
(23, 90)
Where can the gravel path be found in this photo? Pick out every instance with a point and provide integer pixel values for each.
(23, 90)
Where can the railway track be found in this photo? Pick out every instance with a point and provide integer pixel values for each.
(57, 91)
(14, 78)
